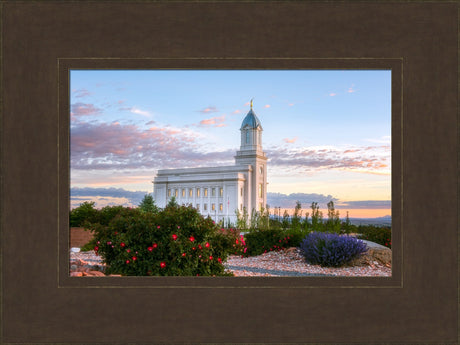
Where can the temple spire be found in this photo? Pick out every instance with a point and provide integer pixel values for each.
(251, 102)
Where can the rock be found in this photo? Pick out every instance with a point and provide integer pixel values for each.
(75, 250)
(73, 267)
(376, 254)
(96, 273)
(291, 250)
(76, 274)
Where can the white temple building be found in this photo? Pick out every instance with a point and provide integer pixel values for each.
(219, 191)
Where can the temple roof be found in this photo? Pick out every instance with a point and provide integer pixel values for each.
(251, 121)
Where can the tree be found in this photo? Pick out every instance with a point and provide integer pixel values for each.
(297, 215)
(333, 222)
(148, 204)
(316, 217)
(172, 202)
(83, 213)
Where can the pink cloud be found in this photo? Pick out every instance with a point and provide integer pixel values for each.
(109, 146)
(290, 141)
(209, 110)
(81, 93)
(214, 122)
(267, 106)
(84, 109)
(317, 160)
(332, 94)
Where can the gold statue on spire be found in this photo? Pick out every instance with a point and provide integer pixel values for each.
(251, 102)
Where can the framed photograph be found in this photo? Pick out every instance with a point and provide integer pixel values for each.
(56, 120)
(319, 138)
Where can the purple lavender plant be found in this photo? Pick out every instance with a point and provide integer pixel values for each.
(332, 250)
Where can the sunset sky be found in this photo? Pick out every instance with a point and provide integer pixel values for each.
(327, 134)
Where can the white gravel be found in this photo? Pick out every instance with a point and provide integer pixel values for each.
(272, 264)
(292, 261)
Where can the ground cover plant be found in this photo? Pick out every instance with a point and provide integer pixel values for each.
(331, 250)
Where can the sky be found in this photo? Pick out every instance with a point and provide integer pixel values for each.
(326, 133)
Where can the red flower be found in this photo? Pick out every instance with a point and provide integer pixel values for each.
(98, 242)
(178, 227)
(210, 258)
(200, 247)
(207, 245)
(219, 259)
(162, 264)
(174, 237)
(116, 233)
(184, 254)
(236, 241)
(158, 227)
(127, 261)
(134, 258)
(155, 245)
(191, 238)
(193, 248)
(122, 244)
(96, 248)
(150, 249)
(128, 250)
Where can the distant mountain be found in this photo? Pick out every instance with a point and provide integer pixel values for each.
(379, 221)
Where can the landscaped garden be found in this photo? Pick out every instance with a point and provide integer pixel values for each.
(178, 241)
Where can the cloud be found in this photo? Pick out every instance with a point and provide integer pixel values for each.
(150, 123)
(290, 141)
(290, 104)
(207, 110)
(115, 146)
(84, 109)
(105, 196)
(351, 89)
(237, 111)
(332, 94)
(135, 110)
(289, 201)
(213, 122)
(267, 106)
(138, 111)
(372, 159)
(81, 93)
(366, 204)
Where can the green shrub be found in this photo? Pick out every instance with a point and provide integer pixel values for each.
(263, 241)
(380, 235)
(83, 213)
(176, 241)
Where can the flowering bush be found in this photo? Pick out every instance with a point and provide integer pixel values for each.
(380, 235)
(327, 249)
(176, 241)
(231, 241)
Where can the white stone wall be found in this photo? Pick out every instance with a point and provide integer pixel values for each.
(185, 183)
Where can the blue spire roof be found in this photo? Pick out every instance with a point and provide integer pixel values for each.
(251, 121)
